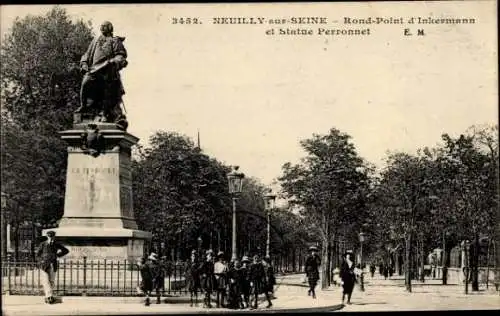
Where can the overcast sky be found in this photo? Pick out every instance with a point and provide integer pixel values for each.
(253, 97)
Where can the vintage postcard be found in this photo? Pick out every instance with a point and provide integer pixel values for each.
(298, 157)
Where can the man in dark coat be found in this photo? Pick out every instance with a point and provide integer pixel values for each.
(47, 254)
(258, 278)
(192, 275)
(207, 278)
(313, 263)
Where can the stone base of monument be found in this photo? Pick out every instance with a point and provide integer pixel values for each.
(98, 220)
(103, 243)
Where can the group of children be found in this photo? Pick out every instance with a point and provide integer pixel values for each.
(236, 284)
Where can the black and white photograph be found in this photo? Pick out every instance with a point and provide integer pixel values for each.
(264, 157)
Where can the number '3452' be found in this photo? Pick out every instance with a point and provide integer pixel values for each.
(184, 20)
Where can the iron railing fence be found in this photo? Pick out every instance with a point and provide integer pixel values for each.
(87, 277)
(103, 277)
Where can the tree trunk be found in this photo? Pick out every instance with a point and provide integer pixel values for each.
(324, 264)
(422, 262)
(16, 244)
(475, 264)
(330, 260)
(407, 262)
(466, 269)
(444, 262)
(488, 263)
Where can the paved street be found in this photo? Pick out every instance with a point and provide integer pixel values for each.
(380, 295)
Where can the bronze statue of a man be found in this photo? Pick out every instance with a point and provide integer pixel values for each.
(102, 90)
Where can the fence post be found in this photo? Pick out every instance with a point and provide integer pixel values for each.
(84, 276)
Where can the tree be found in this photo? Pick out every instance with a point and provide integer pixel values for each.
(329, 184)
(405, 192)
(33, 176)
(474, 184)
(178, 190)
(39, 86)
(40, 77)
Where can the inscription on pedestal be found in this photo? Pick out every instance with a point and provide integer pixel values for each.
(99, 195)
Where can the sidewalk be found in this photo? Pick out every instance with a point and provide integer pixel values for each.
(290, 298)
(390, 295)
(291, 293)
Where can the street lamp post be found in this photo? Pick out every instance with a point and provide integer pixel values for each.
(269, 199)
(235, 182)
(361, 240)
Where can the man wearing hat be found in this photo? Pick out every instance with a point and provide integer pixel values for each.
(220, 272)
(207, 277)
(47, 254)
(313, 262)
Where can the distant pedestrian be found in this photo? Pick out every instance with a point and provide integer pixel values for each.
(372, 270)
(348, 277)
(47, 254)
(313, 263)
(336, 277)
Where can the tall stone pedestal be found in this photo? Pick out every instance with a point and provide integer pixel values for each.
(98, 220)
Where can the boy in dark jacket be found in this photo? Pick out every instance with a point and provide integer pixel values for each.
(207, 278)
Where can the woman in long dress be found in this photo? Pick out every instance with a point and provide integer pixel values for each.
(348, 277)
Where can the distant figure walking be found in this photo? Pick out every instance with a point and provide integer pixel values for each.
(372, 270)
(348, 277)
(47, 254)
(313, 263)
